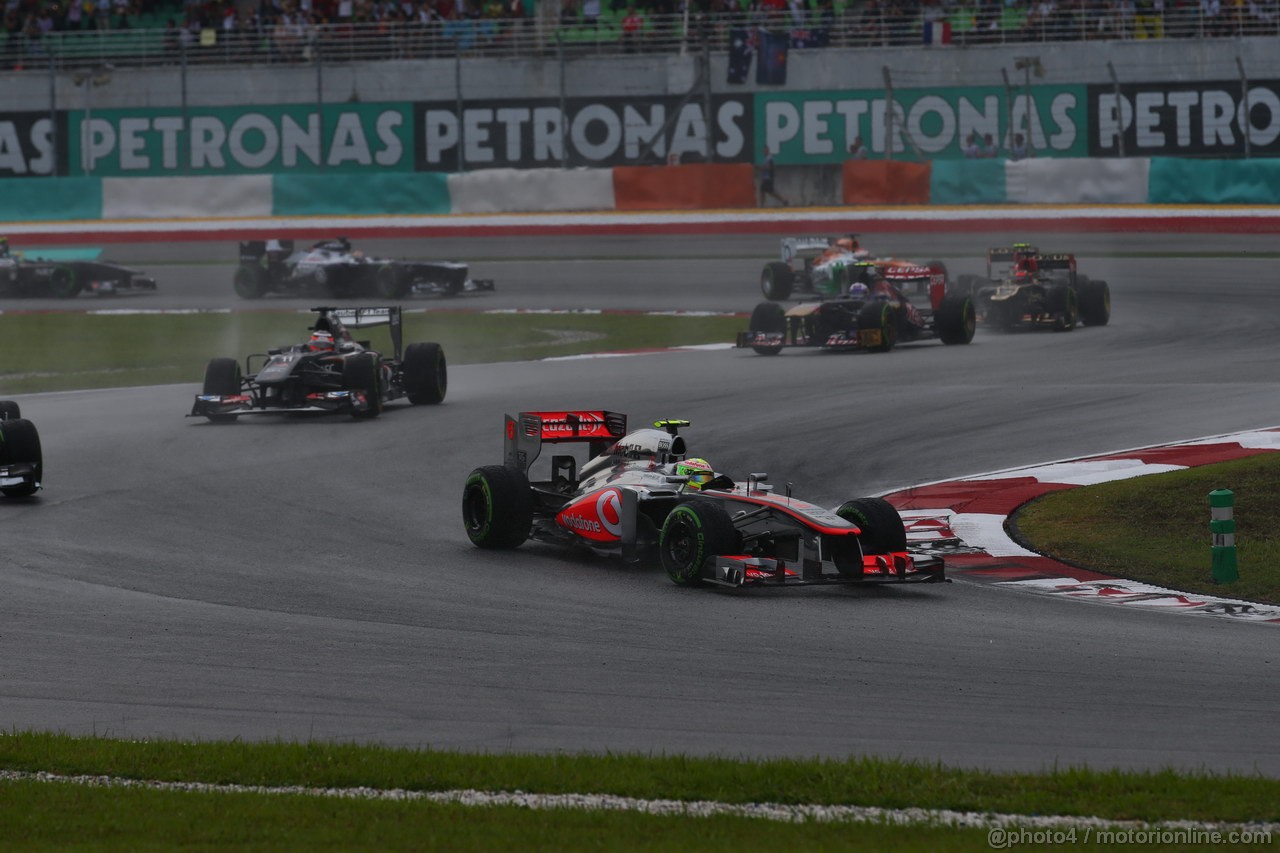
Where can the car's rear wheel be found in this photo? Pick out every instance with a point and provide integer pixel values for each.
(63, 283)
(363, 373)
(497, 507)
(1095, 303)
(389, 282)
(776, 280)
(693, 533)
(426, 375)
(956, 319)
(768, 317)
(1062, 303)
(20, 443)
(222, 378)
(9, 410)
(882, 529)
(879, 315)
(250, 281)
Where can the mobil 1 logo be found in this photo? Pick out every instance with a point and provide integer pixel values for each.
(601, 132)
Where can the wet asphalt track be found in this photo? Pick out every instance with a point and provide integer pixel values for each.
(310, 578)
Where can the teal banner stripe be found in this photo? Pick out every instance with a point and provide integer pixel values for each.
(60, 199)
(967, 182)
(1177, 181)
(377, 193)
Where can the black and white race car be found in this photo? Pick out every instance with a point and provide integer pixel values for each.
(331, 372)
(21, 459)
(639, 494)
(332, 268)
(24, 274)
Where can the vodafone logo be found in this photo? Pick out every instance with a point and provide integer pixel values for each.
(609, 511)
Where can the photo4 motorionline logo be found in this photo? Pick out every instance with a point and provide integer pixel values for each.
(1004, 838)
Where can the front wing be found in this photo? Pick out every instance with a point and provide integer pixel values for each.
(897, 568)
(213, 405)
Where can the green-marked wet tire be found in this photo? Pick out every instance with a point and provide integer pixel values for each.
(693, 533)
(497, 507)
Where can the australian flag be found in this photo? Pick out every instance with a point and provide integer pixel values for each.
(742, 46)
(771, 70)
(817, 37)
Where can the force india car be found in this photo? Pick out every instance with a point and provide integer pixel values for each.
(878, 319)
(21, 275)
(626, 501)
(1025, 287)
(332, 268)
(21, 460)
(330, 373)
(824, 266)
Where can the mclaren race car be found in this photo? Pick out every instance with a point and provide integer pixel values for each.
(824, 266)
(638, 495)
(22, 274)
(21, 460)
(875, 313)
(331, 372)
(1025, 287)
(332, 268)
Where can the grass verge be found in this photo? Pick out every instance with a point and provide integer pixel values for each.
(35, 814)
(58, 352)
(1156, 528)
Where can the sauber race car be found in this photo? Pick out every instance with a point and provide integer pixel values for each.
(331, 372)
(333, 268)
(1025, 287)
(24, 275)
(824, 266)
(21, 460)
(875, 313)
(639, 495)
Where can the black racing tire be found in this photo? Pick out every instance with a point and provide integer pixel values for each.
(768, 317)
(882, 529)
(20, 443)
(497, 507)
(956, 319)
(10, 410)
(880, 315)
(250, 281)
(426, 374)
(363, 372)
(776, 280)
(389, 282)
(1095, 303)
(693, 533)
(1063, 303)
(222, 377)
(64, 283)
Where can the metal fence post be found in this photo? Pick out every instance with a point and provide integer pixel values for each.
(1223, 527)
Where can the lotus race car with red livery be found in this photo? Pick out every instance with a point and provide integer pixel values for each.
(629, 499)
(21, 460)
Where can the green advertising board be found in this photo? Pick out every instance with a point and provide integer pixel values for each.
(239, 140)
(806, 128)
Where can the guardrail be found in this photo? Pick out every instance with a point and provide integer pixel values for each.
(299, 42)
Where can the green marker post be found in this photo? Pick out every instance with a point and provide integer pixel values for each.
(1222, 525)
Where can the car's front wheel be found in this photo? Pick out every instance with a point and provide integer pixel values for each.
(776, 281)
(770, 318)
(693, 533)
(363, 373)
(20, 443)
(426, 375)
(497, 507)
(882, 529)
(222, 379)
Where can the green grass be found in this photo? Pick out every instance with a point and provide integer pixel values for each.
(44, 816)
(1156, 528)
(57, 351)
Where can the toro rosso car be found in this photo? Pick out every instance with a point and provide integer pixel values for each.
(630, 499)
(21, 275)
(331, 372)
(332, 268)
(824, 266)
(1024, 287)
(874, 314)
(21, 460)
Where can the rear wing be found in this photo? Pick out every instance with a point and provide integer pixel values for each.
(252, 251)
(363, 318)
(524, 435)
(1007, 255)
(795, 247)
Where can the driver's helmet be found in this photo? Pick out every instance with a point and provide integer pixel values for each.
(699, 472)
(320, 342)
(847, 243)
(858, 290)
